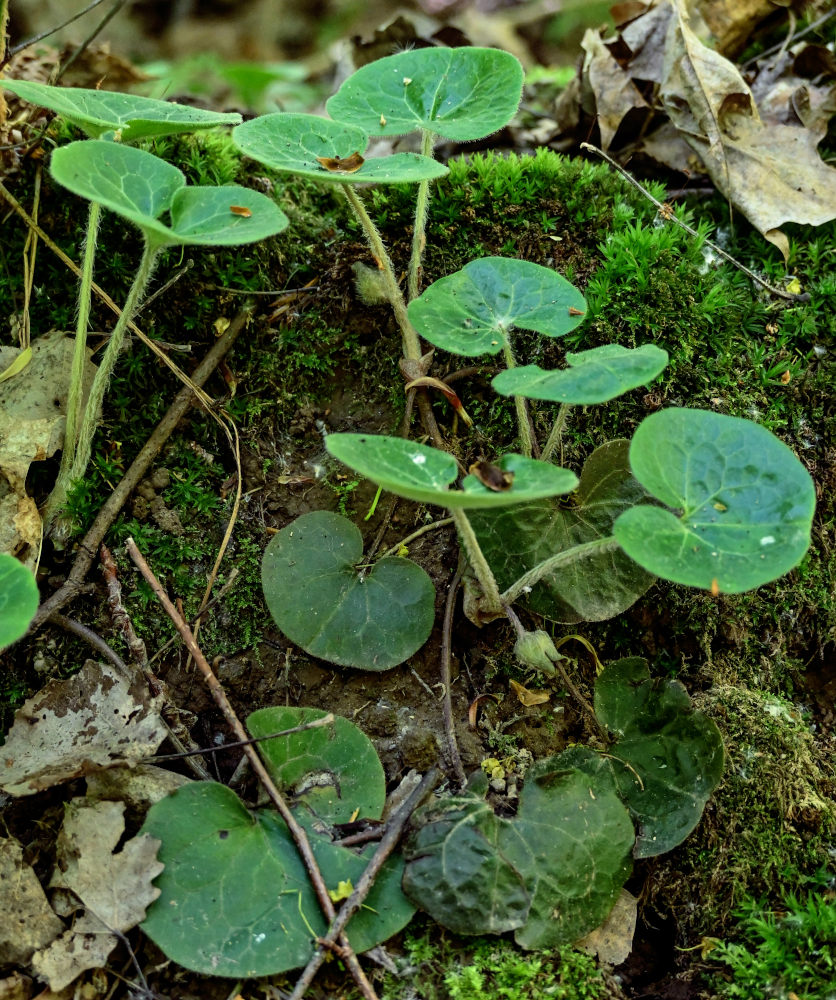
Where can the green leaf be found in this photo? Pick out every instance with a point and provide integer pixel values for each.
(333, 770)
(461, 94)
(98, 112)
(292, 143)
(595, 376)
(744, 503)
(18, 599)
(550, 874)
(319, 600)
(472, 311)
(235, 899)
(419, 472)
(668, 758)
(141, 187)
(598, 587)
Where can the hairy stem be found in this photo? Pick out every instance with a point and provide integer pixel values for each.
(477, 560)
(411, 343)
(419, 234)
(526, 442)
(76, 392)
(556, 562)
(556, 435)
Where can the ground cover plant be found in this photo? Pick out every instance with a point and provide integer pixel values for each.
(696, 497)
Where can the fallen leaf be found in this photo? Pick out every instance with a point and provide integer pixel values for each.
(612, 942)
(427, 381)
(491, 476)
(527, 697)
(341, 165)
(733, 22)
(615, 93)
(28, 920)
(94, 720)
(138, 787)
(87, 945)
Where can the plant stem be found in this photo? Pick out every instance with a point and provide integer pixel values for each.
(76, 392)
(411, 344)
(478, 562)
(419, 238)
(526, 443)
(566, 558)
(556, 434)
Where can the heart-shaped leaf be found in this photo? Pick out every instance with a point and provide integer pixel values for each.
(141, 187)
(18, 599)
(600, 586)
(744, 502)
(594, 376)
(235, 899)
(550, 874)
(98, 112)
(373, 620)
(297, 143)
(419, 472)
(473, 311)
(461, 94)
(668, 758)
(333, 770)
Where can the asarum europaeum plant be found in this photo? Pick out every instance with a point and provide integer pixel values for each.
(695, 498)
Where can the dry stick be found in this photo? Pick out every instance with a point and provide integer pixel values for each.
(449, 725)
(93, 638)
(416, 535)
(326, 720)
(230, 583)
(219, 695)
(120, 616)
(89, 546)
(394, 829)
(669, 217)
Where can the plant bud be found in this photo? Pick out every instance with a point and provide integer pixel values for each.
(369, 284)
(536, 649)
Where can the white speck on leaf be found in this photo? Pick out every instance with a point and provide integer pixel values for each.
(768, 540)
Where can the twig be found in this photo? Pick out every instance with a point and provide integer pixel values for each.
(164, 288)
(447, 704)
(89, 546)
(114, 10)
(93, 638)
(230, 583)
(669, 217)
(50, 31)
(811, 27)
(266, 291)
(117, 610)
(417, 534)
(394, 829)
(219, 695)
(326, 720)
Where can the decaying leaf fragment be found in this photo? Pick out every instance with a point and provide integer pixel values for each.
(27, 922)
(612, 942)
(615, 93)
(94, 720)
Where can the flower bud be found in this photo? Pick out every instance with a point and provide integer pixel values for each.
(536, 649)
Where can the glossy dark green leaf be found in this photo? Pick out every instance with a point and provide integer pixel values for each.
(594, 376)
(473, 311)
(743, 503)
(551, 873)
(600, 586)
(141, 188)
(321, 602)
(334, 771)
(132, 118)
(668, 758)
(235, 899)
(294, 142)
(461, 94)
(419, 472)
(18, 599)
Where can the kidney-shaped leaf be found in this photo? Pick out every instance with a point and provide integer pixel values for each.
(744, 503)
(133, 118)
(334, 770)
(295, 143)
(141, 187)
(235, 899)
(419, 472)
(462, 94)
(668, 758)
(594, 376)
(373, 620)
(550, 874)
(18, 599)
(600, 586)
(472, 311)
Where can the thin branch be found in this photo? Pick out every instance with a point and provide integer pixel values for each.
(50, 31)
(219, 695)
(92, 638)
(447, 704)
(326, 720)
(443, 523)
(120, 616)
(114, 10)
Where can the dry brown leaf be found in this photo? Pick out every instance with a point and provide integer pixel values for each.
(115, 887)
(646, 37)
(138, 787)
(94, 720)
(32, 415)
(527, 697)
(87, 945)
(15, 987)
(615, 93)
(612, 942)
(28, 922)
(732, 22)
